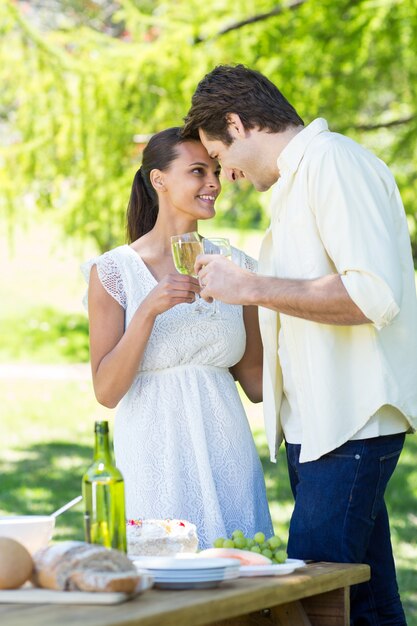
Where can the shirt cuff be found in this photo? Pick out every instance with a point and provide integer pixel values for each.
(372, 295)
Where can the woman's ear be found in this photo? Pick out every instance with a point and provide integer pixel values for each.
(157, 180)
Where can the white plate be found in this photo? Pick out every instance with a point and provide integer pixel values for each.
(188, 585)
(191, 572)
(197, 570)
(278, 569)
(196, 577)
(162, 563)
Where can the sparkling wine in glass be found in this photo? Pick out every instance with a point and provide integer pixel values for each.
(185, 250)
(217, 245)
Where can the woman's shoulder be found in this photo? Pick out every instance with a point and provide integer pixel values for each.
(119, 253)
(110, 257)
(110, 272)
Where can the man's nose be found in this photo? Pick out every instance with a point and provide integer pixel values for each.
(230, 174)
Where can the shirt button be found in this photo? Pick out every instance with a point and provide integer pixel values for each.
(357, 457)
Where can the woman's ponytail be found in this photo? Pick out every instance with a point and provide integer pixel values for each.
(142, 209)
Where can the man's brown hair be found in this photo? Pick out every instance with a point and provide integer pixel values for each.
(237, 89)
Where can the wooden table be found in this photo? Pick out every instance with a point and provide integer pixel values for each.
(316, 595)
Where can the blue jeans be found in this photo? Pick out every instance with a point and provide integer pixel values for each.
(340, 515)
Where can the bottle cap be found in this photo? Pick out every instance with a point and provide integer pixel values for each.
(101, 427)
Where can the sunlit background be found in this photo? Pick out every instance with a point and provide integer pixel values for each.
(83, 85)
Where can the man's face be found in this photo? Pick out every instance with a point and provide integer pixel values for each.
(241, 159)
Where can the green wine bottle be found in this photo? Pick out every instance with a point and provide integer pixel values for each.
(104, 496)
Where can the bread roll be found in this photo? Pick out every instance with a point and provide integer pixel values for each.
(15, 563)
(75, 565)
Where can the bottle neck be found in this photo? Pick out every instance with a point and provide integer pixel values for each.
(102, 447)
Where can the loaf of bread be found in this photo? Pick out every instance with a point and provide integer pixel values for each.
(89, 580)
(75, 565)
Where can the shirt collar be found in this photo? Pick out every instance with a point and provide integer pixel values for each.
(291, 156)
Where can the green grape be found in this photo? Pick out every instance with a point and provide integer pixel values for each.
(280, 556)
(259, 537)
(218, 543)
(258, 544)
(274, 542)
(240, 542)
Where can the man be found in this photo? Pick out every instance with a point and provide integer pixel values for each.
(338, 319)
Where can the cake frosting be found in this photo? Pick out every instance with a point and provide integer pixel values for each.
(157, 537)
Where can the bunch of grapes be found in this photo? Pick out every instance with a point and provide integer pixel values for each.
(271, 548)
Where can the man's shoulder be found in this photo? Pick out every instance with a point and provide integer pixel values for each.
(334, 152)
(333, 145)
(332, 141)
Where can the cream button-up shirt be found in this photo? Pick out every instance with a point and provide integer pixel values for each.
(336, 209)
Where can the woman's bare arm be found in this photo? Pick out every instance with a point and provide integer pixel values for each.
(249, 369)
(116, 353)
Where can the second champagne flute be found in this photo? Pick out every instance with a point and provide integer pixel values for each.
(217, 245)
(185, 250)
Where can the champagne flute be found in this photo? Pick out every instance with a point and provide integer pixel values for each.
(185, 249)
(217, 245)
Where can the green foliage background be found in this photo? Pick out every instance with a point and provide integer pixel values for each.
(79, 98)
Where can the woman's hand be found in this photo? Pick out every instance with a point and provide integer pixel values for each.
(171, 290)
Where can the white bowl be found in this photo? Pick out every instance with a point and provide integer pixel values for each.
(33, 531)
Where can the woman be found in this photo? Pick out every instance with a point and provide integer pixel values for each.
(182, 440)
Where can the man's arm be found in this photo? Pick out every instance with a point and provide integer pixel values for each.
(323, 299)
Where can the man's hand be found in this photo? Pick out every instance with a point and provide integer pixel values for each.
(222, 279)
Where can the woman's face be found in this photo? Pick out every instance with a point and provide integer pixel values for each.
(191, 183)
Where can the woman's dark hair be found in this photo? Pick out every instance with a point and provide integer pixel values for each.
(237, 89)
(142, 209)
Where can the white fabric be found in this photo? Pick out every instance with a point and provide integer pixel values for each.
(182, 440)
(386, 421)
(336, 209)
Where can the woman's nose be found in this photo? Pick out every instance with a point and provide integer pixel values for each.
(214, 182)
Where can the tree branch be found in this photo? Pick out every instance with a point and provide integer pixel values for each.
(398, 122)
(293, 4)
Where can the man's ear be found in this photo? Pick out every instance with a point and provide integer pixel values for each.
(235, 126)
(157, 180)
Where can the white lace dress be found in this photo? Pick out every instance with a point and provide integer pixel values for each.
(181, 437)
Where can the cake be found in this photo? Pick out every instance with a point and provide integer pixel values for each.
(159, 537)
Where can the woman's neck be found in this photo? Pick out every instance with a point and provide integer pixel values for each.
(158, 240)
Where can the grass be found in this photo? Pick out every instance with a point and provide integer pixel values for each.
(46, 335)
(46, 426)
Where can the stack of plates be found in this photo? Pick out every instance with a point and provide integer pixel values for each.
(173, 573)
